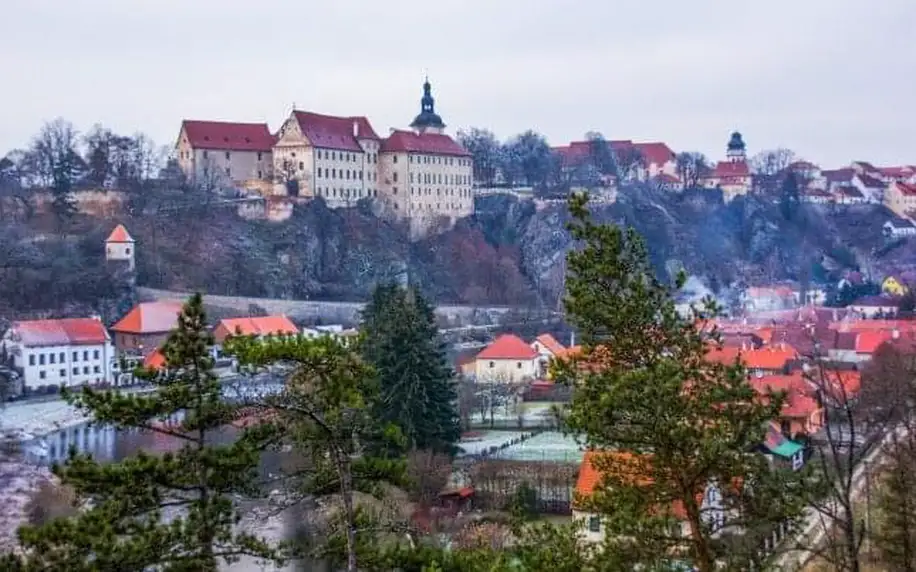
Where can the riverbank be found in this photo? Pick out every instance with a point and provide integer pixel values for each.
(17, 483)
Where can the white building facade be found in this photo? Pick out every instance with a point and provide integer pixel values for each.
(63, 353)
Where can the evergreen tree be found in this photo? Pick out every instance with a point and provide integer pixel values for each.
(174, 511)
(670, 422)
(325, 414)
(895, 536)
(418, 388)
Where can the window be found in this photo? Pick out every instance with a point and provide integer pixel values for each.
(518, 365)
(41, 359)
(594, 524)
(394, 176)
(205, 154)
(76, 356)
(492, 365)
(301, 166)
(333, 155)
(127, 251)
(96, 369)
(227, 155)
(333, 173)
(228, 173)
(32, 359)
(63, 373)
(259, 157)
(41, 374)
(76, 371)
(394, 190)
(394, 159)
(86, 369)
(86, 355)
(259, 174)
(95, 354)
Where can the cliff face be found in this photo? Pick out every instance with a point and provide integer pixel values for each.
(512, 252)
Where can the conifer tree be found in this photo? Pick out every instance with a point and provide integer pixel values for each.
(895, 534)
(418, 387)
(325, 414)
(669, 422)
(174, 512)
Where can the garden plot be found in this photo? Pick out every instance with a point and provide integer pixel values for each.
(550, 446)
(483, 440)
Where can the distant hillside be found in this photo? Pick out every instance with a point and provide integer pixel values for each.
(511, 252)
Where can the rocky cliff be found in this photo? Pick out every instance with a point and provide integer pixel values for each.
(512, 252)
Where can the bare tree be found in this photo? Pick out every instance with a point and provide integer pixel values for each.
(428, 473)
(857, 421)
(58, 166)
(768, 167)
(691, 168)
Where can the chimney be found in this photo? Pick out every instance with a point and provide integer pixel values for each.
(355, 128)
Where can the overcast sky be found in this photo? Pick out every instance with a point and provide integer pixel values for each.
(834, 80)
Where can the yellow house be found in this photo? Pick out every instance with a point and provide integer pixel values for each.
(893, 286)
(900, 198)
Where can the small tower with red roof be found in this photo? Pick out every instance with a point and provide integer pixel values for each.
(119, 247)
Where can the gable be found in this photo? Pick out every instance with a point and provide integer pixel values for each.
(290, 133)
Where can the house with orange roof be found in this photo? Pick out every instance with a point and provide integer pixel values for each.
(119, 247)
(507, 359)
(146, 327)
(636, 470)
(801, 414)
(225, 151)
(548, 348)
(732, 176)
(767, 360)
(257, 326)
(64, 353)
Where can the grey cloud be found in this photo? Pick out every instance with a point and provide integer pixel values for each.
(833, 79)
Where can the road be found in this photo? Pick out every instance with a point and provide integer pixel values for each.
(812, 531)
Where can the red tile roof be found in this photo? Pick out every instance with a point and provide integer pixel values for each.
(432, 143)
(905, 189)
(772, 357)
(633, 469)
(655, 153)
(551, 343)
(799, 401)
(333, 132)
(150, 318)
(119, 234)
(66, 332)
(844, 175)
(155, 360)
(508, 346)
(726, 169)
(871, 182)
(254, 326)
(897, 172)
(868, 341)
(222, 135)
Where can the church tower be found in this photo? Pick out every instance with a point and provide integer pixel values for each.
(736, 152)
(119, 247)
(427, 121)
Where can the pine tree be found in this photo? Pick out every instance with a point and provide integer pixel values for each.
(669, 422)
(173, 511)
(418, 388)
(325, 414)
(895, 537)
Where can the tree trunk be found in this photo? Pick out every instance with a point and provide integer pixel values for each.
(346, 489)
(701, 549)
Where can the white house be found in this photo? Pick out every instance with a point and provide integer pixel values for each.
(68, 352)
(712, 507)
(898, 226)
(548, 348)
(508, 359)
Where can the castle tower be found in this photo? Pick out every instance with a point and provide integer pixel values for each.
(119, 247)
(427, 121)
(736, 152)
